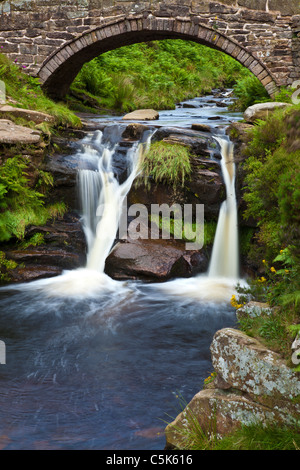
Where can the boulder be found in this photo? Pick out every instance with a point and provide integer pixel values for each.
(12, 134)
(237, 358)
(262, 110)
(252, 384)
(142, 115)
(201, 127)
(153, 260)
(27, 114)
(63, 248)
(217, 411)
(134, 131)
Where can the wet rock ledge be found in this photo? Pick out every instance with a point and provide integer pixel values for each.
(252, 384)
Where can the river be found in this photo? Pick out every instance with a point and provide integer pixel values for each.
(109, 370)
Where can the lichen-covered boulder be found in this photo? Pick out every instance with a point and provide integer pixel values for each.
(247, 365)
(252, 384)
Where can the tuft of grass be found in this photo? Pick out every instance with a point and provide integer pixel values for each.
(166, 163)
(261, 437)
(254, 436)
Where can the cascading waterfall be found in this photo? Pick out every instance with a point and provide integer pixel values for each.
(102, 195)
(219, 283)
(225, 254)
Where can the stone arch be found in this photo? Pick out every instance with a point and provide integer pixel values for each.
(61, 67)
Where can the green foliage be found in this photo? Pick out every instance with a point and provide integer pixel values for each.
(186, 231)
(6, 266)
(261, 437)
(166, 163)
(27, 92)
(156, 74)
(272, 184)
(279, 287)
(249, 91)
(21, 205)
(36, 240)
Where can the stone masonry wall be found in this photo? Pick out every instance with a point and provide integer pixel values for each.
(32, 30)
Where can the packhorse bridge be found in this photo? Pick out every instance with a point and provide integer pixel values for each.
(52, 39)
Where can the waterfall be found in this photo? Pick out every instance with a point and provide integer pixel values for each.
(219, 283)
(225, 254)
(101, 193)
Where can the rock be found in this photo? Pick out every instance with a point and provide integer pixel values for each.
(253, 384)
(12, 134)
(153, 260)
(64, 247)
(201, 127)
(189, 105)
(134, 131)
(28, 114)
(262, 110)
(142, 115)
(64, 169)
(237, 358)
(239, 131)
(217, 411)
(199, 144)
(253, 309)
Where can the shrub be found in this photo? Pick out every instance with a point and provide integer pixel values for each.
(249, 91)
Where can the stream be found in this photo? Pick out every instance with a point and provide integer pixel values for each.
(110, 367)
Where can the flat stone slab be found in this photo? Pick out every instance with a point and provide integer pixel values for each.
(11, 133)
(142, 115)
(262, 110)
(28, 114)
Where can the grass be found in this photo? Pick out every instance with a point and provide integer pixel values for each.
(166, 163)
(26, 92)
(191, 435)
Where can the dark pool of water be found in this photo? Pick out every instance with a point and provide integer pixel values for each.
(103, 373)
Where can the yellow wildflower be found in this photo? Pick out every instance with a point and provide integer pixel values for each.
(286, 271)
(273, 270)
(263, 279)
(264, 261)
(281, 251)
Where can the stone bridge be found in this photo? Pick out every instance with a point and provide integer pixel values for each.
(52, 39)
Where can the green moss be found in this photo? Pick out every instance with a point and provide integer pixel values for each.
(5, 267)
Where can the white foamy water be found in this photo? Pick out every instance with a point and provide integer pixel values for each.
(225, 254)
